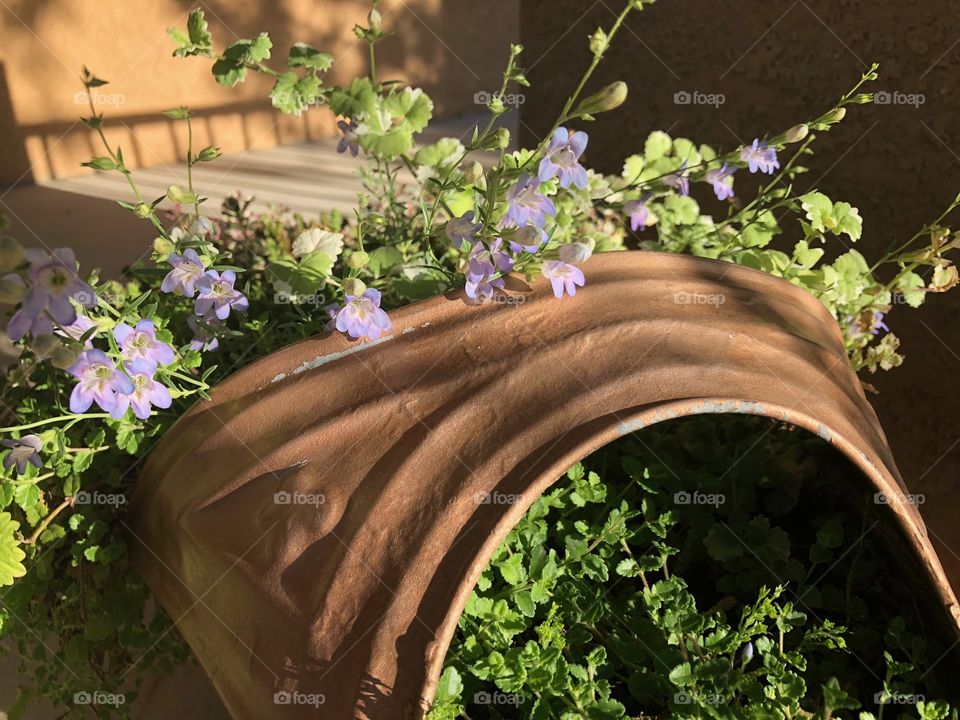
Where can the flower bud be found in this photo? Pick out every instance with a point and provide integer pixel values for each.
(358, 259)
(143, 211)
(11, 253)
(163, 247)
(354, 287)
(374, 20)
(612, 96)
(208, 154)
(796, 134)
(835, 116)
(599, 42)
(44, 346)
(575, 252)
(501, 138)
(12, 289)
(473, 172)
(63, 357)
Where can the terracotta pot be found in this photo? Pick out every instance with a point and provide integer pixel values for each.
(352, 590)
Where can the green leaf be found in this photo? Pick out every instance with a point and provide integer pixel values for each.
(657, 145)
(383, 259)
(682, 675)
(196, 41)
(302, 55)
(292, 94)
(911, 287)
(11, 554)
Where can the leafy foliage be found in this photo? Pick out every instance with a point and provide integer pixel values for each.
(630, 590)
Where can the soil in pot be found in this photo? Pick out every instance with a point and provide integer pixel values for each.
(714, 566)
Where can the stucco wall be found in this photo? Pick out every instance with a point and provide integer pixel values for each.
(776, 62)
(47, 42)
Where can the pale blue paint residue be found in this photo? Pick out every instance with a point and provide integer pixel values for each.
(324, 359)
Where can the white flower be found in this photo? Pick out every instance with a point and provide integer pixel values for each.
(317, 240)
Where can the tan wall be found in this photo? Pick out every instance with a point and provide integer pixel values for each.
(777, 62)
(45, 43)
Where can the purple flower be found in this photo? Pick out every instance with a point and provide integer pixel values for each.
(563, 159)
(878, 323)
(77, 328)
(678, 180)
(463, 229)
(23, 451)
(361, 316)
(99, 381)
(217, 295)
(53, 284)
(146, 393)
(348, 139)
(563, 276)
(718, 177)
(204, 333)
(873, 323)
(760, 157)
(187, 270)
(22, 323)
(639, 213)
(483, 267)
(140, 343)
(525, 204)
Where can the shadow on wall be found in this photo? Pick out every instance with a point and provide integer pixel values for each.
(724, 73)
(47, 42)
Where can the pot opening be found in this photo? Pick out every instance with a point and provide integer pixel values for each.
(705, 566)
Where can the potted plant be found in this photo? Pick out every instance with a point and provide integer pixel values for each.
(259, 514)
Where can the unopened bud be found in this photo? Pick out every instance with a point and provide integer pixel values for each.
(12, 289)
(575, 252)
(143, 211)
(358, 260)
(501, 138)
(163, 247)
(835, 115)
(63, 357)
(11, 253)
(612, 96)
(599, 42)
(374, 20)
(354, 287)
(44, 346)
(208, 154)
(796, 134)
(473, 172)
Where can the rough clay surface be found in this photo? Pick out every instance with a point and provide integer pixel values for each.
(348, 585)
